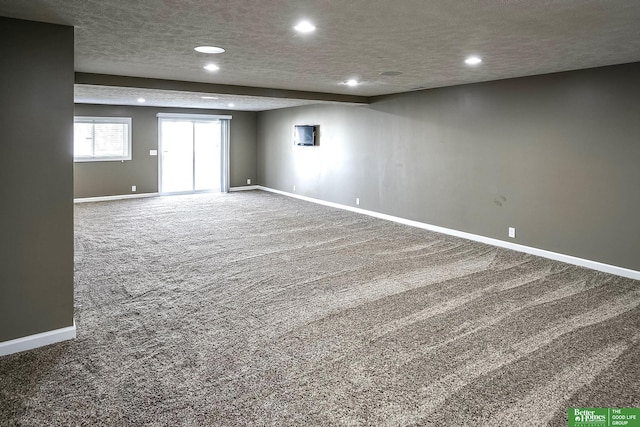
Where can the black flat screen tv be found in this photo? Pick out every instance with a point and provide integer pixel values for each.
(305, 135)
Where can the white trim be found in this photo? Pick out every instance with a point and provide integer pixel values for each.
(160, 154)
(225, 150)
(245, 188)
(594, 265)
(118, 197)
(193, 116)
(38, 340)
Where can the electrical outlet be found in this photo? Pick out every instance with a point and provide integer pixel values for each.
(294, 188)
(248, 181)
(512, 232)
(357, 201)
(134, 188)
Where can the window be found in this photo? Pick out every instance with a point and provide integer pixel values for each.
(97, 139)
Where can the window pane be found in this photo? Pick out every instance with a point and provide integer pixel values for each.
(102, 138)
(111, 139)
(83, 139)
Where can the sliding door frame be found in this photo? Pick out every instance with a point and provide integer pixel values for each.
(224, 146)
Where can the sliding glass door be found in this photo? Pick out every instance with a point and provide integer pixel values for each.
(192, 153)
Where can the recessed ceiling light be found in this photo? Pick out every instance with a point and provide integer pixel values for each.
(305, 27)
(209, 97)
(142, 100)
(211, 67)
(232, 104)
(352, 82)
(473, 60)
(209, 49)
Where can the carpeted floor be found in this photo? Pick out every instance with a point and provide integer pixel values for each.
(252, 309)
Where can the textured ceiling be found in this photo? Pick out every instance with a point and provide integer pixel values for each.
(425, 40)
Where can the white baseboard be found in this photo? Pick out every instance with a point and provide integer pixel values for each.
(38, 340)
(245, 188)
(118, 197)
(594, 265)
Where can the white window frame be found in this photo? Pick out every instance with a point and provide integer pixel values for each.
(118, 120)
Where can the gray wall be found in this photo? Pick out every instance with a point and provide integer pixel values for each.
(93, 179)
(36, 215)
(556, 156)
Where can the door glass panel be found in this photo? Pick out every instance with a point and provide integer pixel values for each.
(207, 156)
(177, 156)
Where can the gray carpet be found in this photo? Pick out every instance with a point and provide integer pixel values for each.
(253, 309)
